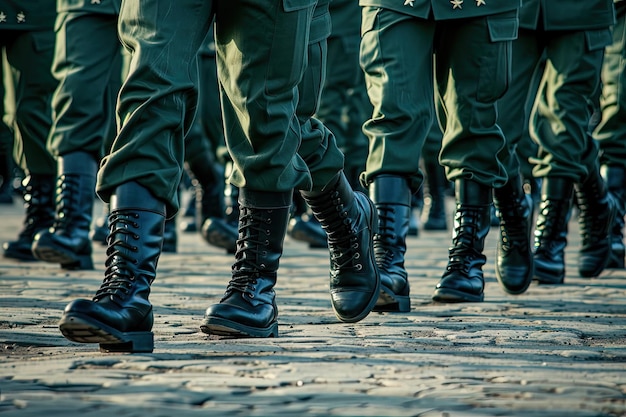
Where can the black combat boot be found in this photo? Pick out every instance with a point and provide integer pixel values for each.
(350, 221)
(514, 258)
(551, 230)
(304, 227)
(67, 242)
(597, 210)
(392, 197)
(437, 182)
(38, 196)
(248, 307)
(463, 279)
(119, 317)
(615, 177)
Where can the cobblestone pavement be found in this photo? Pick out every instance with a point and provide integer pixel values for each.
(553, 351)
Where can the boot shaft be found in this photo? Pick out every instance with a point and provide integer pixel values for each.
(38, 198)
(472, 218)
(392, 197)
(554, 213)
(136, 225)
(75, 194)
(263, 220)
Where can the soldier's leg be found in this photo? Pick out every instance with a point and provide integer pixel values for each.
(141, 173)
(30, 53)
(86, 45)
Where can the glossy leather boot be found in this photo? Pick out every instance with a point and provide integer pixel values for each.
(463, 280)
(551, 230)
(248, 307)
(392, 197)
(67, 242)
(39, 205)
(597, 211)
(514, 258)
(119, 317)
(350, 221)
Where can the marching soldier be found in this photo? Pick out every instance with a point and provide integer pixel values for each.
(27, 40)
(467, 42)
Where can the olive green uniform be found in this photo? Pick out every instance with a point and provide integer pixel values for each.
(27, 37)
(344, 105)
(611, 132)
(400, 42)
(88, 63)
(549, 48)
(149, 148)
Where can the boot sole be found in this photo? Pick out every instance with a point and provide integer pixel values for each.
(548, 277)
(228, 328)
(447, 295)
(67, 259)
(84, 329)
(373, 227)
(20, 256)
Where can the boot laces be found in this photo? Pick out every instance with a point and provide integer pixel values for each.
(385, 234)
(343, 241)
(463, 249)
(246, 270)
(592, 225)
(513, 230)
(119, 276)
(66, 200)
(36, 211)
(551, 219)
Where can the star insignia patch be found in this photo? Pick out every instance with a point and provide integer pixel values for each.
(3, 17)
(409, 2)
(457, 4)
(480, 3)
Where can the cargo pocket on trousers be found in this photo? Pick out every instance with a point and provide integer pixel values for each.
(495, 71)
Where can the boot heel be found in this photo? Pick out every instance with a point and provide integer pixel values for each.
(388, 301)
(135, 342)
(83, 262)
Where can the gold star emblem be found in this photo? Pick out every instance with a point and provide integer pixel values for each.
(457, 4)
(409, 2)
(3, 17)
(21, 17)
(480, 3)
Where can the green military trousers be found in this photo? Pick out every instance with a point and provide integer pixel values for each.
(611, 132)
(30, 54)
(471, 59)
(344, 105)
(560, 117)
(207, 132)
(88, 64)
(262, 50)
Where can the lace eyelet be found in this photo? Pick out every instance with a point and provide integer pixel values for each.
(358, 267)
